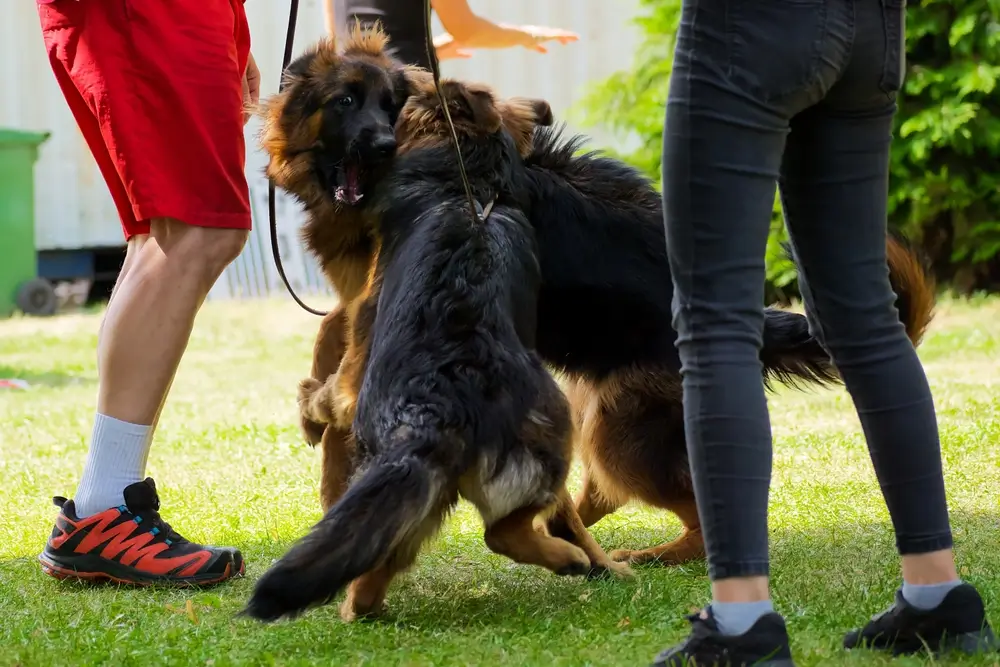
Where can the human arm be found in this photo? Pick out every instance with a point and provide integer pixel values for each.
(330, 18)
(467, 30)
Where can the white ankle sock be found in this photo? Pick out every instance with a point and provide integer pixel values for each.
(117, 458)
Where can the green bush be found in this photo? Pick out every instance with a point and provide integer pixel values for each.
(945, 162)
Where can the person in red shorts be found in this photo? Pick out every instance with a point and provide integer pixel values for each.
(158, 90)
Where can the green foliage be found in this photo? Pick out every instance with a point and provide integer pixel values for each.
(945, 162)
(945, 166)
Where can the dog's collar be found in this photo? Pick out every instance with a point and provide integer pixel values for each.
(483, 213)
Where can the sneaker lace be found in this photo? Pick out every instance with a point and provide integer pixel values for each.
(164, 528)
(702, 640)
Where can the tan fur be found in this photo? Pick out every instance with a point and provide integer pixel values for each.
(908, 276)
(508, 499)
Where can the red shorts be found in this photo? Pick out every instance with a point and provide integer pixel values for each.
(169, 142)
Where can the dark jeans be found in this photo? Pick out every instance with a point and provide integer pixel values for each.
(402, 21)
(799, 93)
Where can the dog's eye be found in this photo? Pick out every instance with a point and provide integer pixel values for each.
(345, 100)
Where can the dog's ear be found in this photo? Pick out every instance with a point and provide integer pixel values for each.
(543, 112)
(482, 107)
(418, 80)
(528, 110)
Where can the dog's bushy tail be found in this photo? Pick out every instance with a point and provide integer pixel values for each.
(389, 507)
(791, 355)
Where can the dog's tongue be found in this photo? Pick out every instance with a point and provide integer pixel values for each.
(350, 191)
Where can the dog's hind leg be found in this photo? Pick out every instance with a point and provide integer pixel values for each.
(514, 536)
(689, 546)
(591, 504)
(566, 523)
(366, 595)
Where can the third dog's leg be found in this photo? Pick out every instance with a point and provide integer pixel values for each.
(689, 546)
(514, 536)
(591, 505)
(567, 523)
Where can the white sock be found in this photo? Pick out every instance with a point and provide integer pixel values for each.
(117, 458)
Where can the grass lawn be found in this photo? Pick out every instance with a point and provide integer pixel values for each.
(232, 470)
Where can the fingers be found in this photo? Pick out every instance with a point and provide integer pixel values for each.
(251, 87)
(541, 34)
(253, 79)
(246, 100)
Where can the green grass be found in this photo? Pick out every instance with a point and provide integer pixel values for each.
(232, 470)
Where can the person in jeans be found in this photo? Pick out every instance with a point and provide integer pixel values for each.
(799, 94)
(169, 144)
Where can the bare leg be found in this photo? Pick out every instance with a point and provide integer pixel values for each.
(150, 317)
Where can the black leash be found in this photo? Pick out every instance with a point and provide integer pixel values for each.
(478, 214)
(477, 211)
(285, 60)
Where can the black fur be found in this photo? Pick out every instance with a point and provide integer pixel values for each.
(450, 379)
(605, 301)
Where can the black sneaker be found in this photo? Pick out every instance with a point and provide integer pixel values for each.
(959, 622)
(765, 644)
(131, 544)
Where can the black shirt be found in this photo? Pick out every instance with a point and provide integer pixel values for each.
(402, 20)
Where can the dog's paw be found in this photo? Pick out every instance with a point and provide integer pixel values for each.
(307, 388)
(621, 556)
(612, 568)
(351, 611)
(578, 564)
(312, 432)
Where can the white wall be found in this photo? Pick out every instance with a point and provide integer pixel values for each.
(73, 208)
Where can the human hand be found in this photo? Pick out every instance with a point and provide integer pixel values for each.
(532, 36)
(251, 87)
(447, 48)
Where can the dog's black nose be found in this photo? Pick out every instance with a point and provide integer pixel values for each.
(384, 146)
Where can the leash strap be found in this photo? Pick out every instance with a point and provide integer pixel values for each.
(432, 60)
(478, 214)
(272, 218)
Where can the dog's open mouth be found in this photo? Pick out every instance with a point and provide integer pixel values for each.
(348, 190)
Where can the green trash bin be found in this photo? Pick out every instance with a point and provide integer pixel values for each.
(20, 286)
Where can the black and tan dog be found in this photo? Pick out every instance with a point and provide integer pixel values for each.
(604, 320)
(451, 400)
(330, 135)
(604, 305)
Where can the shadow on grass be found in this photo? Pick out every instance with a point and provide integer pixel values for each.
(479, 589)
(460, 599)
(43, 378)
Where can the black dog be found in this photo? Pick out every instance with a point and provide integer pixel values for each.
(453, 400)
(604, 319)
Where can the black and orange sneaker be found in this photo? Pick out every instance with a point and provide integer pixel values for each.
(131, 544)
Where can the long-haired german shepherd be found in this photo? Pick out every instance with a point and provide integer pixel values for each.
(604, 319)
(453, 400)
(604, 305)
(330, 135)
